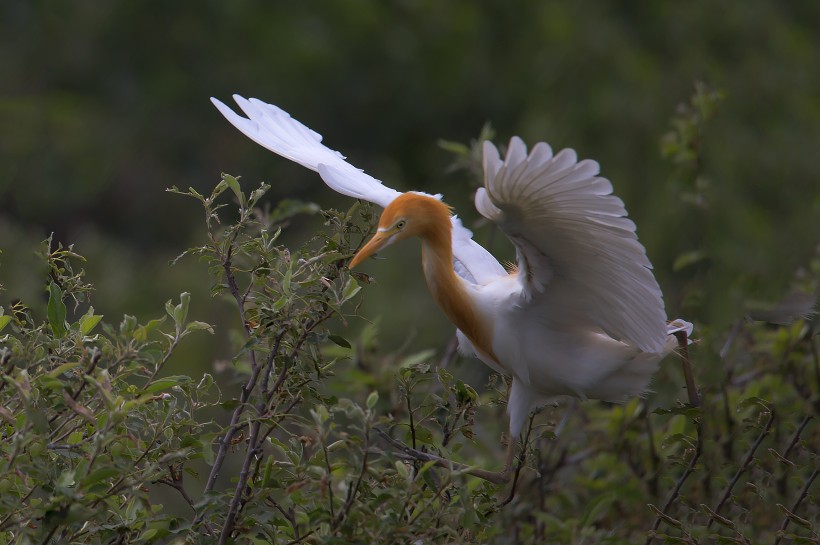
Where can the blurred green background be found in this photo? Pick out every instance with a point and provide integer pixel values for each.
(105, 104)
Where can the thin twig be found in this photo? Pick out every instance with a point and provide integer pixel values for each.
(233, 509)
(5, 522)
(522, 459)
(281, 415)
(51, 533)
(249, 386)
(412, 424)
(289, 516)
(407, 453)
(694, 401)
(743, 467)
(137, 462)
(175, 482)
(354, 490)
(301, 539)
(796, 435)
(95, 357)
(736, 329)
(5, 357)
(165, 358)
(448, 430)
(803, 493)
(432, 499)
(816, 356)
(673, 496)
(254, 440)
(654, 459)
(329, 480)
(233, 427)
(269, 366)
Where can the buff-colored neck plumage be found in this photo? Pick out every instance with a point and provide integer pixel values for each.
(429, 219)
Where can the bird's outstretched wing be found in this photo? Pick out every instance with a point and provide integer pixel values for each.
(573, 240)
(274, 129)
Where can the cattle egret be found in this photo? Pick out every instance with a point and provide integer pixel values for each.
(581, 315)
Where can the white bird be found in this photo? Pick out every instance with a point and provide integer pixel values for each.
(581, 315)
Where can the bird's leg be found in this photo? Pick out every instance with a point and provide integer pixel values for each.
(572, 405)
(683, 348)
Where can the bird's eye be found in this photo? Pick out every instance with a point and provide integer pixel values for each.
(400, 225)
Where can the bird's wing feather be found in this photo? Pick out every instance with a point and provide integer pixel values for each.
(274, 129)
(571, 232)
(471, 260)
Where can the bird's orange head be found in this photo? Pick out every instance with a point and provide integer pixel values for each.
(410, 214)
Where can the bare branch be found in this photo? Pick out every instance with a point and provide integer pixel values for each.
(233, 509)
(673, 495)
(802, 496)
(743, 467)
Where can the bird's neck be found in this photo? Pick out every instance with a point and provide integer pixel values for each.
(450, 291)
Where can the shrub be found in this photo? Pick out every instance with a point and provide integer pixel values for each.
(102, 445)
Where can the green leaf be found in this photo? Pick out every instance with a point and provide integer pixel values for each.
(287, 208)
(596, 508)
(230, 404)
(89, 321)
(281, 302)
(63, 368)
(4, 321)
(167, 383)
(50, 383)
(454, 147)
(141, 334)
(723, 521)
(341, 341)
(66, 479)
(754, 401)
(465, 392)
(372, 399)
(147, 535)
(687, 259)
(233, 183)
(56, 310)
(207, 451)
(423, 435)
(685, 410)
(419, 358)
(100, 475)
(286, 279)
(257, 194)
(351, 289)
(678, 439)
(179, 312)
(130, 322)
(200, 326)
(800, 521)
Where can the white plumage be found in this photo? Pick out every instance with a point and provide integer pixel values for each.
(583, 315)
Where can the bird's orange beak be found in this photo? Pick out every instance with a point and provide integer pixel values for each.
(379, 241)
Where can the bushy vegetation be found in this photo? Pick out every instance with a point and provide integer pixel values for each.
(302, 435)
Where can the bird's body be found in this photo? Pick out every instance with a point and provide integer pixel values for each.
(546, 351)
(581, 315)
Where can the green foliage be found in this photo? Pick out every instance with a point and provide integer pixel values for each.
(318, 436)
(87, 425)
